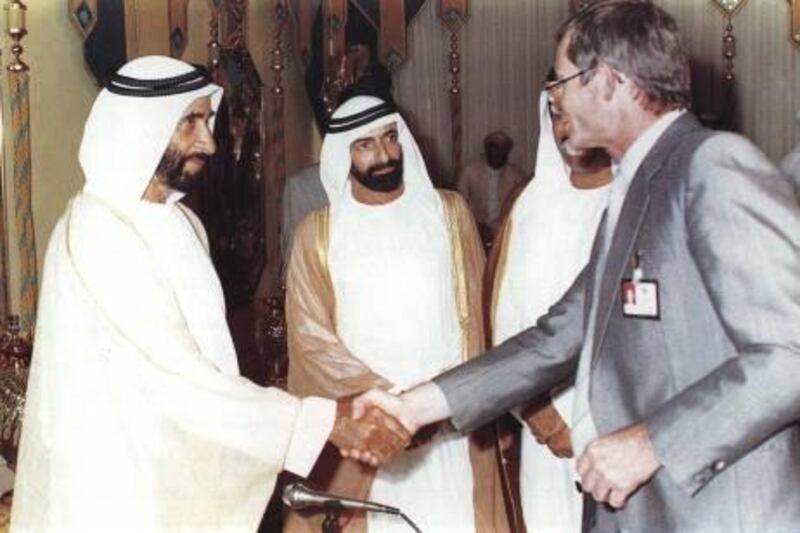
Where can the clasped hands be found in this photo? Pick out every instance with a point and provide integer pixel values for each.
(367, 433)
(375, 425)
(611, 468)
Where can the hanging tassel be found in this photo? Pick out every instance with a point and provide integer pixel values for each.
(20, 127)
(4, 303)
(453, 14)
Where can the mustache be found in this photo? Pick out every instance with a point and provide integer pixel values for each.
(389, 165)
(204, 158)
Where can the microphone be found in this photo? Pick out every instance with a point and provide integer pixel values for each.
(298, 496)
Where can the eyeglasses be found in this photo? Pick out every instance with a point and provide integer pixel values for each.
(559, 83)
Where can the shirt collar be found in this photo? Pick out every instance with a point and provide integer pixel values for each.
(627, 166)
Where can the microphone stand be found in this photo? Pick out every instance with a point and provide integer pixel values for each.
(331, 522)
(333, 511)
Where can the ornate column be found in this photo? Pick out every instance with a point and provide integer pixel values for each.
(20, 128)
(453, 14)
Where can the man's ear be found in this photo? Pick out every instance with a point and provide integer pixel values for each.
(609, 81)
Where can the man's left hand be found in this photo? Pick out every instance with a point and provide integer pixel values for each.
(614, 466)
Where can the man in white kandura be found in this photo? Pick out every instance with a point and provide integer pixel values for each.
(137, 418)
(545, 244)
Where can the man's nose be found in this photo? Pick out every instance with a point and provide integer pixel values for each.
(382, 154)
(205, 140)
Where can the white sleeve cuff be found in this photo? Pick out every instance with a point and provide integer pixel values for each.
(311, 431)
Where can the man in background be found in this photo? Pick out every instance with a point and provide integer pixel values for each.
(791, 167)
(302, 194)
(486, 183)
(541, 248)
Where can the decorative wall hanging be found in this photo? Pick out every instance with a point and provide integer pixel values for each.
(147, 27)
(727, 101)
(392, 33)
(83, 14)
(214, 48)
(178, 27)
(334, 20)
(233, 21)
(390, 18)
(453, 14)
(230, 200)
(729, 9)
(303, 12)
(20, 127)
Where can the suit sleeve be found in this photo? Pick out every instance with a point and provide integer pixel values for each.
(743, 234)
(523, 367)
(319, 363)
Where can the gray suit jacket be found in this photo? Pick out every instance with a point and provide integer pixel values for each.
(716, 379)
(791, 167)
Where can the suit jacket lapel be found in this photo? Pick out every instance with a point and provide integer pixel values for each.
(591, 268)
(630, 220)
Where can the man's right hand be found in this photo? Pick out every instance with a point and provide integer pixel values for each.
(368, 435)
(415, 408)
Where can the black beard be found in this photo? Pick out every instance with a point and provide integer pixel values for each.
(388, 182)
(173, 168)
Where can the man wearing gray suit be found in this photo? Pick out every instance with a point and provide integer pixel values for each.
(790, 165)
(682, 333)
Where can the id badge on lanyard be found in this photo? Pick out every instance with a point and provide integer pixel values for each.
(639, 295)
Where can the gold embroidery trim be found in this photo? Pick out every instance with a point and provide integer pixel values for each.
(321, 243)
(499, 272)
(458, 270)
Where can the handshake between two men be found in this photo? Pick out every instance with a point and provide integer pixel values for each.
(375, 425)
